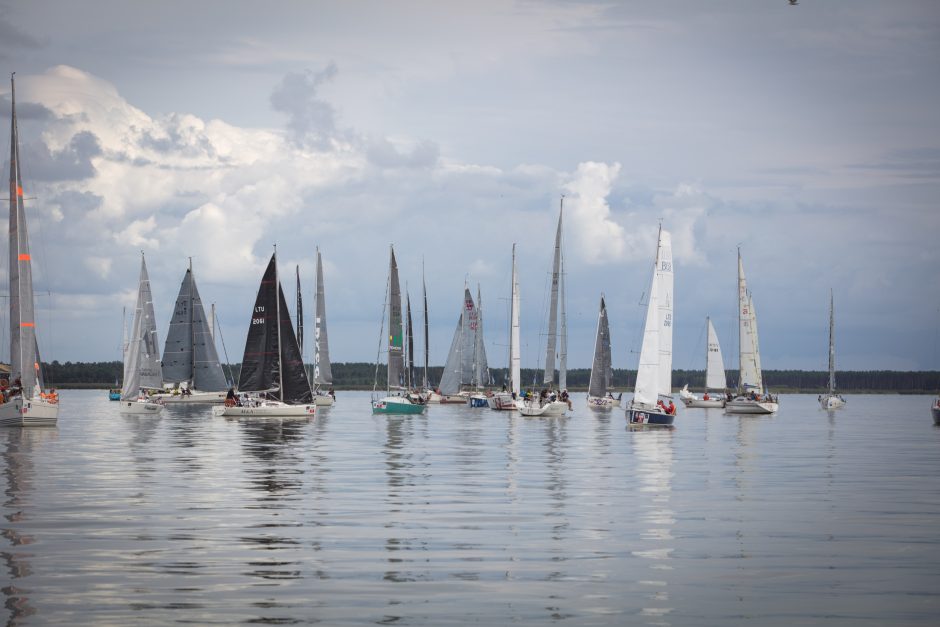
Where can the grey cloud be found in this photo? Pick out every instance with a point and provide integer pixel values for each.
(311, 120)
(916, 163)
(384, 154)
(176, 142)
(72, 163)
(25, 110)
(14, 37)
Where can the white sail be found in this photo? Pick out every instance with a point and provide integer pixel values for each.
(549, 374)
(654, 373)
(142, 360)
(832, 346)
(563, 340)
(459, 368)
(714, 364)
(515, 368)
(750, 377)
(322, 369)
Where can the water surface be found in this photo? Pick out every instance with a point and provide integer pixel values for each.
(466, 516)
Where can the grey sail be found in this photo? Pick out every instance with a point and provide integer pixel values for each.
(549, 374)
(396, 365)
(24, 351)
(832, 346)
(458, 371)
(189, 354)
(322, 371)
(142, 361)
(481, 370)
(563, 340)
(424, 289)
(601, 370)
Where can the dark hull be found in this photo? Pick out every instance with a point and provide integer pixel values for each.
(644, 417)
(936, 415)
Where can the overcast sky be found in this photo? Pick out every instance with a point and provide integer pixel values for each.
(809, 135)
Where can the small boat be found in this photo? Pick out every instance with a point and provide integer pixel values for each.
(272, 365)
(715, 380)
(394, 402)
(654, 373)
(510, 398)
(191, 364)
(142, 372)
(557, 339)
(751, 396)
(602, 374)
(831, 400)
(25, 404)
(322, 369)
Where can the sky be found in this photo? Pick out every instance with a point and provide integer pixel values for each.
(808, 136)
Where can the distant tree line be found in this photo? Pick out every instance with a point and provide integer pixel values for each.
(360, 375)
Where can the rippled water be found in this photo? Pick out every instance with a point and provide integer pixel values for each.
(469, 516)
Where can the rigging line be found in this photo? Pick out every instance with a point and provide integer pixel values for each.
(378, 353)
(231, 377)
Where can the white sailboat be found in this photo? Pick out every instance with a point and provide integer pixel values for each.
(460, 374)
(831, 400)
(602, 374)
(715, 380)
(511, 398)
(654, 373)
(751, 396)
(541, 403)
(272, 382)
(191, 368)
(25, 404)
(394, 402)
(322, 369)
(142, 358)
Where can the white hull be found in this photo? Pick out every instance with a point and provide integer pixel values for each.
(139, 407)
(602, 402)
(267, 409)
(503, 401)
(711, 403)
(553, 408)
(831, 401)
(747, 406)
(434, 397)
(20, 412)
(195, 397)
(323, 400)
(453, 399)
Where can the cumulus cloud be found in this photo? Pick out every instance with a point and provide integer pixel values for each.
(595, 234)
(311, 120)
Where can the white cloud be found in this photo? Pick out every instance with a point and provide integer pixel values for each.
(594, 235)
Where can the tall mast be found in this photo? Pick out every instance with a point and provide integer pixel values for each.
(425, 290)
(832, 346)
(563, 349)
(300, 315)
(280, 352)
(192, 328)
(514, 349)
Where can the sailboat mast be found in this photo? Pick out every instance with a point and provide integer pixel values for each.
(410, 371)
(832, 346)
(277, 309)
(742, 303)
(300, 315)
(514, 348)
(424, 288)
(192, 327)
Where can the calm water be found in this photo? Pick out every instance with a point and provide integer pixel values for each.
(469, 516)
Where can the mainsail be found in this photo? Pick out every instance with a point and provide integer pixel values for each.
(424, 289)
(410, 370)
(300, 314)
(322, 371)
(832, 346)
(601, 370)
(189, 353)
(714, 364)
(515, 360)
(654, 374)
(481, 370)
(272, 361)
(142, 359)
(396, 365)
(549, 374)
(749, 355)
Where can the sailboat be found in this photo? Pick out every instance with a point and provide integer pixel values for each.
(272, 365)
(831, 400)
(654, 373)
(142, 357)
(394, 403)
(714, 375)
(751, 396)
(481, 370)
(25, 404)
(602, 374)
(322, 370)
(459, 369)
(511, 398)
(538, 404)
(190, 360)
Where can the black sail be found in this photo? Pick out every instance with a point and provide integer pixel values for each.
(260, 363)
(295, 388)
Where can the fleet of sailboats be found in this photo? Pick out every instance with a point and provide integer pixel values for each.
(142, 374)
(654, 373)
(27, 404)
(716, 385)
(752, 397)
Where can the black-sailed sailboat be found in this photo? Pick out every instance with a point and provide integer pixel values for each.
(273, 381)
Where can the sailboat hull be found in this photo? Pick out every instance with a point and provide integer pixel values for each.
(478, 400)
(831, 401)
(24, 412)
(602, 402)
(503, 401)
(550, 409)
(140, 407)
(711, 403)
(267, 410)
(323, 400)
(396, 405)
(194, 397)
(936, 413)
(747, 406)
(647, 417)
